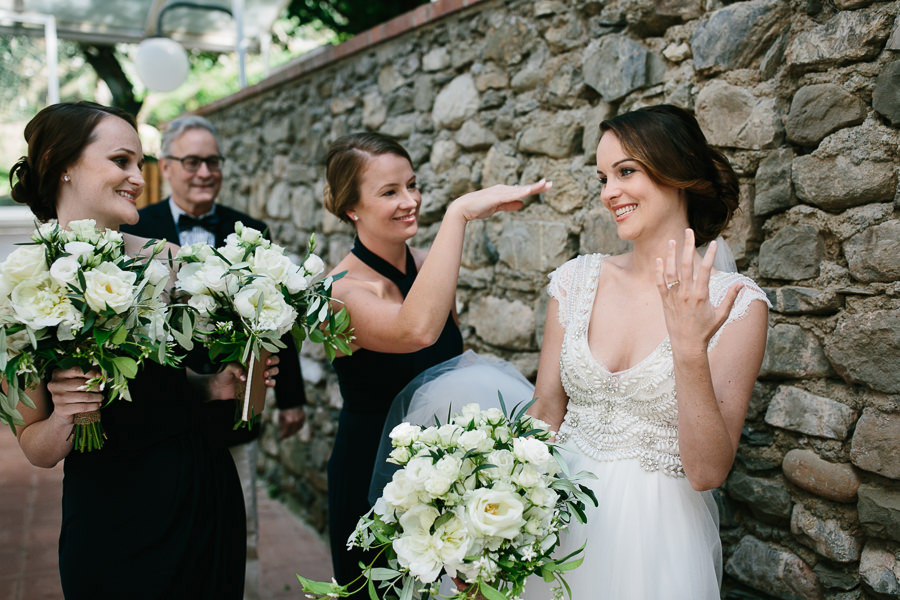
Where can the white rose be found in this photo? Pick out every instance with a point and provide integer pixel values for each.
(502, 434)
(419, 469)
(109, 286)
(503, 460)
(476, 439)
(527, 476)
(38, 304)
(202, 303)
(156, 272)
(496, 513)
(232, 253)
(80, 250)
(400, 492)
(45, 230)
(263, 297)
(430, 436)
(84, 229)
(276, 265)
(314, 265)
(416, 552)
(400, 455)
(448, 433)
(494, 416)
(442, 476)
(64, 270)
(531, 450)
(217, 278)
(190, 280)
(24, 263)
(296, 281)
(247, 234)
(542, 496)
(470, 412)
(404, 434)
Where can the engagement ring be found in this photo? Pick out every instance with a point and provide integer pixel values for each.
(672, 284)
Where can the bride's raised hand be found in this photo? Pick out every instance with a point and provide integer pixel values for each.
(691, 319)
(484, 203)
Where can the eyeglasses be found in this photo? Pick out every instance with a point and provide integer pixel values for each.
(191, 164)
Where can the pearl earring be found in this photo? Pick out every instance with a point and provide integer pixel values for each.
(354, 217)
(66, 178)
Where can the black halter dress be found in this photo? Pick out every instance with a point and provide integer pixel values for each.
(369, 381)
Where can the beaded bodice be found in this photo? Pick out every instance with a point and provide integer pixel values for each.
(630, 414)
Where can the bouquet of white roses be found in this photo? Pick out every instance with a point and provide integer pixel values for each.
(73, 298)
(482, 499)
(243, 297)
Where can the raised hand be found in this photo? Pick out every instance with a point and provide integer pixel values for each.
(691, 319)
(498, 198)
(69, 397)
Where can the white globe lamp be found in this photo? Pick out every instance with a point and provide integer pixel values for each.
(161, 63)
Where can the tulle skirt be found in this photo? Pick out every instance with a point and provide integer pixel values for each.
(652, 537)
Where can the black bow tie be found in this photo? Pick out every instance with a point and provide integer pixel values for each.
(208, 222)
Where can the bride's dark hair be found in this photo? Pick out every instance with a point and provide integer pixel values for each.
(56, 137)
(669, 143)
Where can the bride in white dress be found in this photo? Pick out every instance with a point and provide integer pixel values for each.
(648, 363)
(646, 370)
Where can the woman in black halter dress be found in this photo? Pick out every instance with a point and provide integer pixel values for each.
(401, 305)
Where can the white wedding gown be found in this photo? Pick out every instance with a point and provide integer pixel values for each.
(652, 537)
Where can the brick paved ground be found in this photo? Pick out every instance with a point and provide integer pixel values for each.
(29, 528)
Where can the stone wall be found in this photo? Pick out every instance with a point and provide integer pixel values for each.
(801, 96)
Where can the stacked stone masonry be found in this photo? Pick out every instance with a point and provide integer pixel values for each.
(802, 96)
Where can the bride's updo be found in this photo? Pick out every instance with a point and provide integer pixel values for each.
(56, 137)
(345, 163)
(669, 143)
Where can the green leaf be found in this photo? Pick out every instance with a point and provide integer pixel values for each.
(490, 592)
(126, 366)
(383, 573)
(119, 337)
(370, 586)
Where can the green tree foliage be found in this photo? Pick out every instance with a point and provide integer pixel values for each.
(349, 17)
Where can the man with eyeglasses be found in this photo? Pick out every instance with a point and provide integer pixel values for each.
(192, 163)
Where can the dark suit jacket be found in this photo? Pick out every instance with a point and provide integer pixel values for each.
(156, 222)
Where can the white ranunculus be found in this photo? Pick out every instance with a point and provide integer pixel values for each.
(24, 263)
(452, 541)
(503, 460)
(156, 272)
(419, 518)
(109, 286)
(39, 304)
(417, 553)
(85, 230)
(202, 303)
(272, 263)
(64, 270)
(263, 297)
(404, 434)
(400, 492)
(531, 450)
(496, 513)
(314, 265)
(190, 279)
(80, 250)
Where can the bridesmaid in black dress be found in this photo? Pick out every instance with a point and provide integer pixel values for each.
(157, 513)
(401, 304)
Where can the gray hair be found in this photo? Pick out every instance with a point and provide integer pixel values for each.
(177, 128)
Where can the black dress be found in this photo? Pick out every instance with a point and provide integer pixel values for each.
(369, 381)
(158, 512)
